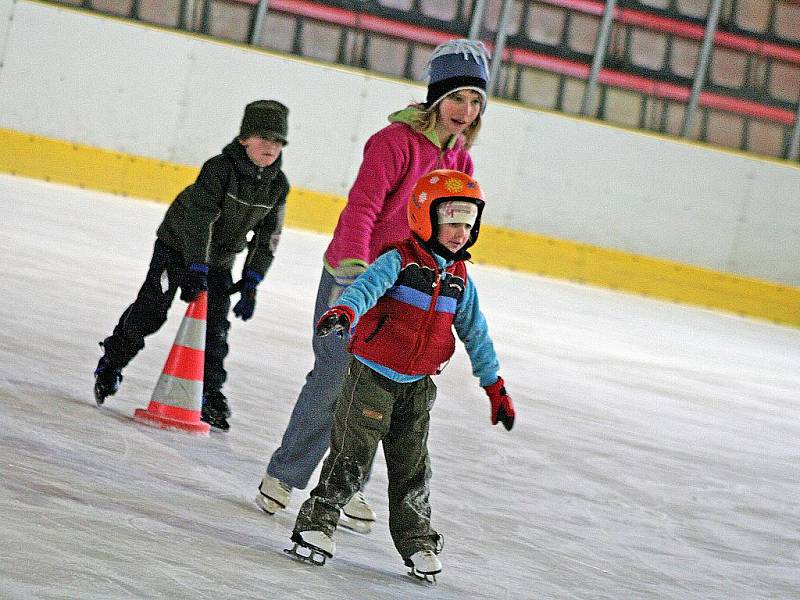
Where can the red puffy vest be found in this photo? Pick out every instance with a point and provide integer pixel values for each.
(410, 329)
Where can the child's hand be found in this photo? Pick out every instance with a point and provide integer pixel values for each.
(247, 286)
(337, 319)
(194, 281)
(502, 407)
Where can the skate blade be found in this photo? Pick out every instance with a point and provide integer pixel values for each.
(314, 556)
(357, 525)
(429, 578)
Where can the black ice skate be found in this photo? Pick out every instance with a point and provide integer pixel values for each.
(106, 380)
(317, 546)
(215, 410)
(424, 565)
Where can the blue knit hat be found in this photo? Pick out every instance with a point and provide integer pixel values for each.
(457, 65)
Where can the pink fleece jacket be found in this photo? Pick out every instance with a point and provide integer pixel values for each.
(375, 213)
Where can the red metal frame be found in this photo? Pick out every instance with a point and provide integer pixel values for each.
(348, 18)
(629, 16)
(652, 87)
(553, 64)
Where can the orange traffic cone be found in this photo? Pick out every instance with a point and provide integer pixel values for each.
(178, 397)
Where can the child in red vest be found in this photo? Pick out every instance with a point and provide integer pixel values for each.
(402, 311)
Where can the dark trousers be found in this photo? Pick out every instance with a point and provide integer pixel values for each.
(373, 410)
(149, 312)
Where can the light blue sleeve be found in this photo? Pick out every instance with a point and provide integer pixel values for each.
(366, 290)
(471, 327)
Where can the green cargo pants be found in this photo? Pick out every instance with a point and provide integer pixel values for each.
(371, 409)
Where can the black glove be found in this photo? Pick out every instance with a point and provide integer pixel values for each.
(337, 319)
(247, 286)
(195, 280)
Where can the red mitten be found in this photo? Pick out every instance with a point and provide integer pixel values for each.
(502, 407)
(337, 319)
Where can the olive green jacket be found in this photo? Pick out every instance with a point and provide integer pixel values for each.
(208, 222)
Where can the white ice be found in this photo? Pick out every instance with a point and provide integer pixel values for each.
(655, 453)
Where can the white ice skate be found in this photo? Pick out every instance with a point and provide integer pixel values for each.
(357, 514)
(273, 495)
(424, 565)
(318, 547)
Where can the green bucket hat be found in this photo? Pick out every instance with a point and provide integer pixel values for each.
(265, 118)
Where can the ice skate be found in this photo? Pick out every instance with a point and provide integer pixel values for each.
(424, 565)
(273, 495)
(357, 515)
(314, 547)
(215, 410)
(106, 380)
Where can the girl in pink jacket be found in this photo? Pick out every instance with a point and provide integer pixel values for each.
(436, 134)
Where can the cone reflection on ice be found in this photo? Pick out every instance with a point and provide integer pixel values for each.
(178, 396)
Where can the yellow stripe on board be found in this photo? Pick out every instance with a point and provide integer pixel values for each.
(91, 168)
(98, 169)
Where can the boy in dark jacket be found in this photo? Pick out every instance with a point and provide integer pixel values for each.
(238, 191)
(403, 309)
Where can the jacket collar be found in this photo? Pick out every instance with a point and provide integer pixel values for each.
(409, 114)
(441, 261)
(243, 165)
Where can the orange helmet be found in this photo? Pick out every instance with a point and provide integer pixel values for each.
(434, 188)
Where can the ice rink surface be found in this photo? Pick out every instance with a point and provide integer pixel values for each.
(656, 452)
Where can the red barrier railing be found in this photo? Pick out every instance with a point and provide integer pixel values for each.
(561, 66)
(348, 18)
(629, 16)
(652, 87)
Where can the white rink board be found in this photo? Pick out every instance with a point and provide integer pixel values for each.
(662, 211)
(169, 96)
(94, 81)
(316, 120)
(5, 21)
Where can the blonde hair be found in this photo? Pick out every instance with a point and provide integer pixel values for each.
(426, 120)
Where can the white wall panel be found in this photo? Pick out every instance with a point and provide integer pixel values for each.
(6, 15)
(768, 239)
(123, 86)
(92, 80)
(331, 111)
(613, 188)
(502, 152)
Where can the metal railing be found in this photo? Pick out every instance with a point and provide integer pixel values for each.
(600, 72)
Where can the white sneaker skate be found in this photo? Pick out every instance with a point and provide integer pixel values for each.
(273, 495)
(424, 565)
(357, 514)
(319, 545)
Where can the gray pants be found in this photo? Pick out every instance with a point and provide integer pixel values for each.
(308, 433)
(371, 410)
